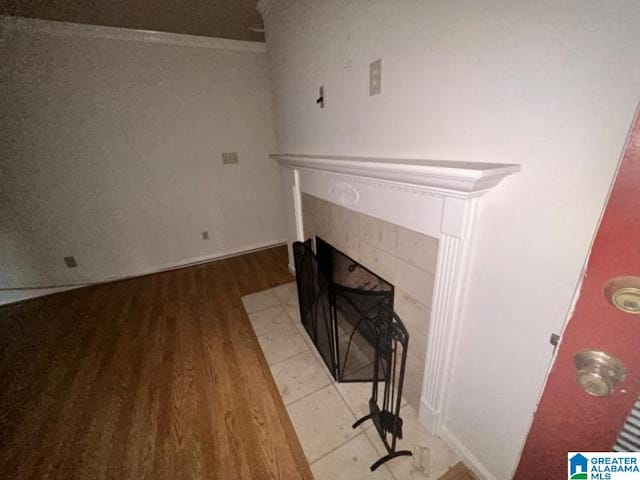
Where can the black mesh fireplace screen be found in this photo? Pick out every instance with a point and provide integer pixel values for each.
(348, 312)
(337, 295)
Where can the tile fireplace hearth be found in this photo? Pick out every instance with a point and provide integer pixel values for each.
(322, 411)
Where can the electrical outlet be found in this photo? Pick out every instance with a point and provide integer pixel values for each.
(229, 158)
(70, 262)
(375, 77)
(205, 235)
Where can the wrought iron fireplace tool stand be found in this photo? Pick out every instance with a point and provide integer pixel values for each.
(392, 340)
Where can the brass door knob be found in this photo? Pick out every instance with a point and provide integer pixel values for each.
(598, 372)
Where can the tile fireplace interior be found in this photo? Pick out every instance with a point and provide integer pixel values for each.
(402, 257)
(322, 411)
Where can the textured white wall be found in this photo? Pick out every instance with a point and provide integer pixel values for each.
(550, 85)
(110, 152)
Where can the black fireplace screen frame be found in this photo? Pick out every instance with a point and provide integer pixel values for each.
(345, 306)
(336, 296)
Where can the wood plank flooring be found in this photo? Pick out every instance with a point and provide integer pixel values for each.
(458, 472)
(157, 377)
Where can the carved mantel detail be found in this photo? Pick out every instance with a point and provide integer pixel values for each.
(344, 193)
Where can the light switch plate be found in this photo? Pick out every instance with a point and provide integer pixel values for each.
(229, 158)
(375, 77)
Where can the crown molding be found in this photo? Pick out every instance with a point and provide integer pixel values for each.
(10, 24)
(462, 178)
(264, 6)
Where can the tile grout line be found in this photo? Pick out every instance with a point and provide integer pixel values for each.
(350, 409)
(277, 329)
(288, 358)
(298, 354)
(309, 394)
(280, 302)
(332, 383)
(261, 310)
(320, 388)
(355, 415)
(363, 431)
(306, 395)
(334, 449)
(378, 453)
(315, 352)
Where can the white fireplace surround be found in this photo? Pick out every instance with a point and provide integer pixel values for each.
(436, 198)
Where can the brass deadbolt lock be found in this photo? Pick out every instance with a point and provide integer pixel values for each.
(624, 294)
(598, 372)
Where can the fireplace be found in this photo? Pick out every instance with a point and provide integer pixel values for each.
(435, 200)
(338, 297)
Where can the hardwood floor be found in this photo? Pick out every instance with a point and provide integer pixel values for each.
(157, 377)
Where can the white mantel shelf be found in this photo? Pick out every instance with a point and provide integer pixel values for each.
(453, 176)
(437, 198)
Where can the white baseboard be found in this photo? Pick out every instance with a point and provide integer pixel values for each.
(18, 295)
(432, 420)
(469, 459)
(217, 256)
(428, 417)
(14, 296)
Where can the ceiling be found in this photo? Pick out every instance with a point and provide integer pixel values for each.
(209, 18)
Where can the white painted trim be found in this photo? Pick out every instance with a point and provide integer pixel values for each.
(220, 256)
(436, 198)
(264, 6)
(10, 24)
(440, 330)
(413, 208)
(427, 415)
(452, 177)
(469, 459)
(187, 262)
(448, 297)
(297, 206)
(28, 294)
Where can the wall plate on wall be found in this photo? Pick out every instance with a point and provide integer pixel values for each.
(375, 77)
(229, 158)
(70, 262)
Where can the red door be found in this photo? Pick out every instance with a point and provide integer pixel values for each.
(568, 419)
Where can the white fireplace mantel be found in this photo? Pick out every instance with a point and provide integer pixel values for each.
(461, 177)
(437, 198)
